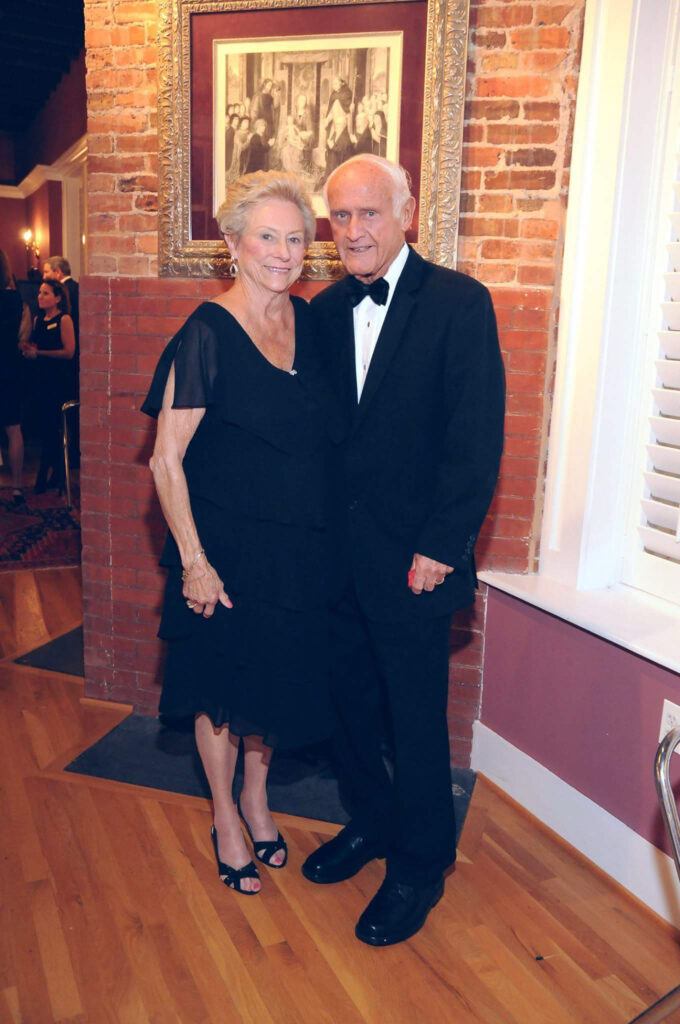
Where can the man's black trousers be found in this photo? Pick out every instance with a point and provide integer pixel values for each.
(403, 667)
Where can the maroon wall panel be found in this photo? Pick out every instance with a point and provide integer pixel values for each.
(582, 707)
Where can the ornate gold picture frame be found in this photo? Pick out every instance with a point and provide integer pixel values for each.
(430, 111)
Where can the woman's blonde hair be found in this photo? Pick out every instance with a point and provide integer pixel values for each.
(250, 190)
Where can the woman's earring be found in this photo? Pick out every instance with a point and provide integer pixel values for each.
(233, 269)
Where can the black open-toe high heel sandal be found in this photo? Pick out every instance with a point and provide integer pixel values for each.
(233, 876)
(265, 849)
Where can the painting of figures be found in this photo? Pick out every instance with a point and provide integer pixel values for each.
(304, 105)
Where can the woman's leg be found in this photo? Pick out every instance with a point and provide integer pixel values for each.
(218, 750)
(254, 794)
(16, 454)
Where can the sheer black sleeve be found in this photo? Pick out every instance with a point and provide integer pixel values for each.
(193, 351)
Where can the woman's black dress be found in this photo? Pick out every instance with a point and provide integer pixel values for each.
(50, 382)
(11, 308)
(258, 472)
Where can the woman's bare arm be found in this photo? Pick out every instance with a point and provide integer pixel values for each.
(202, 588)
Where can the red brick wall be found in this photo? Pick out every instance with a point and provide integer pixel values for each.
(521, 93)
(120, 42)
(126, 322)
(522, 75)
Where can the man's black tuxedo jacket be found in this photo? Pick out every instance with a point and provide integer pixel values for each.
(71, 287)
(421, 456)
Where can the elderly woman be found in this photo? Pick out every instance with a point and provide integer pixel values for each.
(241, 465)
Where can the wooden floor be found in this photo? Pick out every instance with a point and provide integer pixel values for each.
(111, 909)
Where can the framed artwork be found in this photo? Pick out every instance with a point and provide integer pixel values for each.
(246, 85)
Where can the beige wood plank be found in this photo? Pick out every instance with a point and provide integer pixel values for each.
(54, 954)
(190, 868)
(10, 1012)
(98, 954)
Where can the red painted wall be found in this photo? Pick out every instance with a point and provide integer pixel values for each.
(13, 223)
(44, 218)
(582, 707)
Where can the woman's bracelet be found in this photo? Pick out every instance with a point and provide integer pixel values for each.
(187, 572)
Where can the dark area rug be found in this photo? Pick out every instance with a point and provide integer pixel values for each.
(65, 654)
(148, 752)
(39, 533)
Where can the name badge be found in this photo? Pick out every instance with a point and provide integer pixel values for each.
(50, 327)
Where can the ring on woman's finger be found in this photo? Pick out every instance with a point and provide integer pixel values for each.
(191, 604)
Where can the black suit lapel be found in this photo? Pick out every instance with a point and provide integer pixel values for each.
(393, 328)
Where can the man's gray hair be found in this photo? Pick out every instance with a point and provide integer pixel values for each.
(401, 179)
(60, 263)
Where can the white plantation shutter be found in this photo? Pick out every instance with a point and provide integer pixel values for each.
(654, 564)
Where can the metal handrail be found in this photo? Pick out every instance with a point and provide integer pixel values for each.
(71, 404)
(664, 1007)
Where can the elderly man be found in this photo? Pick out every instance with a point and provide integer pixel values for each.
(413, 352)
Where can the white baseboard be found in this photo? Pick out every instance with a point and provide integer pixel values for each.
(634, 862)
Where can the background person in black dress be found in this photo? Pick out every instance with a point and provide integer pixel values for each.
(52, 346)
(241, 466)
(11, 309)
(58, 268)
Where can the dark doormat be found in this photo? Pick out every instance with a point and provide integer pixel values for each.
(145, 751)
(65, 654)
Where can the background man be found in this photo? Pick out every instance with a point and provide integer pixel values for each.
(413, 352)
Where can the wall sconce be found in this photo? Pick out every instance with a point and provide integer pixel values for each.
(32, 253)
(31, 243)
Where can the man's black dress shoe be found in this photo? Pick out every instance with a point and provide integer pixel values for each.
(397, 911)
(340, 858)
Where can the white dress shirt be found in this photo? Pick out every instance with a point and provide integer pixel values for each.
(369, 318)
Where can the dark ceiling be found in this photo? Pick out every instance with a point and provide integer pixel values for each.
(38, 41)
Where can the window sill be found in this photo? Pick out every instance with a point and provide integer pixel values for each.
(639, 622)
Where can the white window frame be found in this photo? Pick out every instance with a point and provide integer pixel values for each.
(612, 217)
(641, 568)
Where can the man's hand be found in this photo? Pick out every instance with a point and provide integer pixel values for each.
(427, 574)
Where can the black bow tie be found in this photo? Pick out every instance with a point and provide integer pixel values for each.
(357, 290)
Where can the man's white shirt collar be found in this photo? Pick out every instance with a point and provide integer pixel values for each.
(369, 319)
(393, 273)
